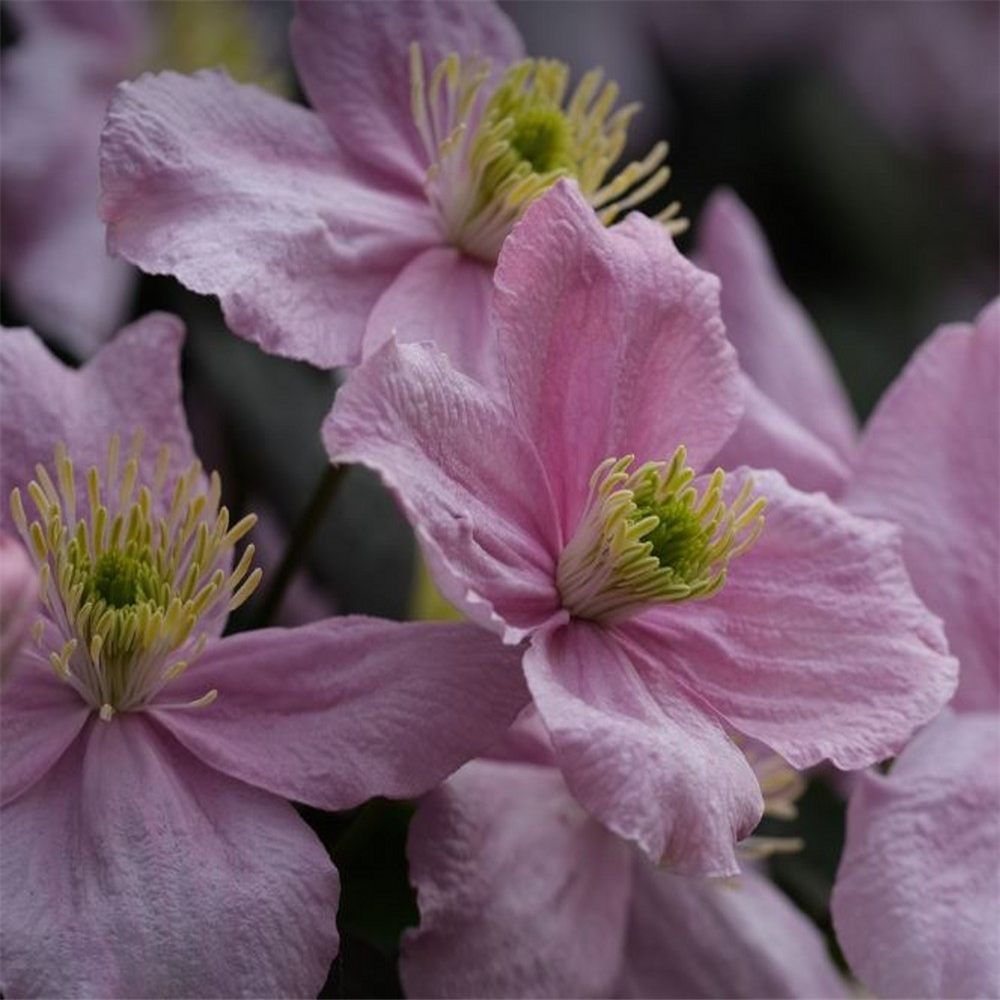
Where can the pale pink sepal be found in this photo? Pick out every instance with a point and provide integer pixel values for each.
(694, 937)
(652, 764)
(245, 196)
(443, 296)
(777, 343)
(521, 893)
(18, 600)
(132, 870)
(916, 904)
(333, 713)
(354, 62)
(816, 645)
(612, 343)
(930, 461)
(473, 486)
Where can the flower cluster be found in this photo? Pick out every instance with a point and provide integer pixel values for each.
(680, 576)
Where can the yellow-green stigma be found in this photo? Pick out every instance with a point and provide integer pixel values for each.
(648, 537)
(132, 585)
(490, 157)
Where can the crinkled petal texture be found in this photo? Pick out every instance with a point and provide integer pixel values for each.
(133, 870)
(470, 481)
(778, 346)
(133, 382)
(690, 937)
(354, 62)
(521, 893)
(333, 713)
(817, 644)
(916, 904)
(930, 461)
(612, 343)
(649, 761)
(442, 296)
(245, 196)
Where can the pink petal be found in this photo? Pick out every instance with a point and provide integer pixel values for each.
(133, 870)
(521, 893)
(333, 713)
(768, 438)
(778, 346)
(133, 382)
(443, 296)
(245, 196)
(18, 600)
(612, 342)
(816, 645)
(655, 768)
(930, 461)
(40, 716)
(354, 62)
(466, 476)
(916, 904)
(691, 937)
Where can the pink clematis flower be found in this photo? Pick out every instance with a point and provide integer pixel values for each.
(18, 600)
(148, 847)
(570, 510)
(387, 207)
(522, 894)
(916, 904)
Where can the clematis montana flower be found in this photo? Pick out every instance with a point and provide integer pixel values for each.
(148, 847)
(522, 894)
(574, 509)
(916, 904)
(322, 233)
(18, 599)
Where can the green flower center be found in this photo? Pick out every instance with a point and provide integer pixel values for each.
(129, 588)
(491, 156)
(648, 537)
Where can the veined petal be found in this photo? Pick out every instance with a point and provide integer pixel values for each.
(916, 904)
(778, 346)
(333, 713)
(930, 461)
(816, 645)
(466, 475)
(133, 870)
(521, 893)
(441, 296)
(658, 770)
(133, 382)
(768, 438)
(694, 937)
(612, 342)
(40, 716)
(245, 196)
(354, 62)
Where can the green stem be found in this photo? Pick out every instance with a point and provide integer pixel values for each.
(306, 528)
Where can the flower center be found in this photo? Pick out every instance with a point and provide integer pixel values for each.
(492, 153)
(131, 593)
(647, 537)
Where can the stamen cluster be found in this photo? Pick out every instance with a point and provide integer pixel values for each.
(646, 537)
(490, 157)
(125, 587)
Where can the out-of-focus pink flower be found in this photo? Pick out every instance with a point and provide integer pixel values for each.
(56, 83)
(656, 616)
(147, 845)
(522, 894)
(917, 899)
(18, 599)
(383, 212)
